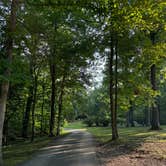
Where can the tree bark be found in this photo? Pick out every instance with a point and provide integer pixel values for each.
(53, 93)
(33, 108)
(112, 102)
(5, 131)
(155, 124)
(29, 103)
(60, 103)
(4, 87)
(127, 119)
(147, 116)
(131, 115)
(3, 100)
(42, 110)
(116, 88)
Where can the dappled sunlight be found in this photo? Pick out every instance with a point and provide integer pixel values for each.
(162, 135)
(72, 150)
(133, 134)
(55, 147)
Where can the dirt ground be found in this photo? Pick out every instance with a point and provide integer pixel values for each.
(144, 154)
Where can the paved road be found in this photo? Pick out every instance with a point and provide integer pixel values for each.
(76, 149)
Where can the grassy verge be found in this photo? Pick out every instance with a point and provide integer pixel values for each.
(131, 138)
(75, 125)
(134, 139)
(22, 151)
(103, 134)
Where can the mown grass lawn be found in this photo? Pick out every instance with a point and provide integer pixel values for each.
(75, 125)
(132, 138)
(103, 134)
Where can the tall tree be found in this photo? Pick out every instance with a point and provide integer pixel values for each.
(155, 124)
(26, 116)
(53, 95)
(113, 96)
(60, 104)
(8, 56)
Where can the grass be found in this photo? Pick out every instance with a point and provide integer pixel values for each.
(131, 138)
(22, 151)
(103, 134)
(129, 134)
(75, 125)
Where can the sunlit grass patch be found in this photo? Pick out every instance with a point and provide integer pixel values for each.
(103, 134)
(75, 125)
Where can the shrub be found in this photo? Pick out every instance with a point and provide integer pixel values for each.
(97, 121)
(105, 121)
(89, 122)
(81, 117)
(121, 121)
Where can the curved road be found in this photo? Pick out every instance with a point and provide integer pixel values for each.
(75, 149)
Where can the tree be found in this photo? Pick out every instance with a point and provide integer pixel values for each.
(53, 93)
(60, 104)
(8, 56)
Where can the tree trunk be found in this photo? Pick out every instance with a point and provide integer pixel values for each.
(4, 87)
(27, 113)
(159, 109)
(33, 108)
(116, 88)
(29, 103)
(131, 115)
(60, 107)
(5, 131)
(59, 117)
(147, 116)
(3, 100)
(53, 93)
(112, 103)
(127, 119)
(42, 110)
(155, 125)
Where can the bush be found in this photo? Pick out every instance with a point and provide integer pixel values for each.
(97, 121)
(121, 121)
(105, 121)
(81, 117)
(89, 122)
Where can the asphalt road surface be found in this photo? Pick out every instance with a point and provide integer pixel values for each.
(75, 149)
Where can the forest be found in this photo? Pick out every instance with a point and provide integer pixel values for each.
(101, 63)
